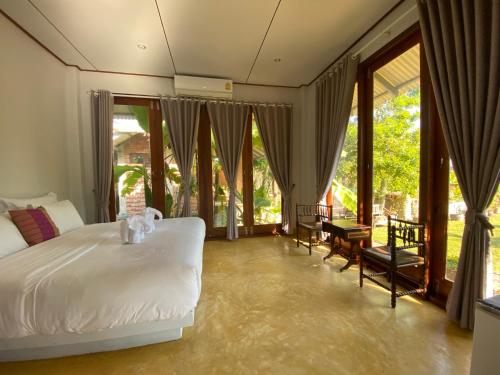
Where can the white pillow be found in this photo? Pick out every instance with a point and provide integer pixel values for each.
(35, 202)
(11, 240)
(64, 215)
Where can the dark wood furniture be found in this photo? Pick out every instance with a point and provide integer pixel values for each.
(401, 237)
(309, 218)
(349, 231)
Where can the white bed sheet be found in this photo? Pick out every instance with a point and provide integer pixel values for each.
(86, 280)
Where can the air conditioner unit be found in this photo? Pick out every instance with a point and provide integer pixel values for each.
(201, 86)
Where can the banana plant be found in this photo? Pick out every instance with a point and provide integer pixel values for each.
(345, 196)
(134, 174)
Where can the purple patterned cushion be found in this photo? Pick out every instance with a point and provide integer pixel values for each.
(34, 224)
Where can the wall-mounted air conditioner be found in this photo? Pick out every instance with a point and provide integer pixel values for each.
(201, 86)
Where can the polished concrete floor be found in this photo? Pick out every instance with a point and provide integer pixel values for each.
(268, 307)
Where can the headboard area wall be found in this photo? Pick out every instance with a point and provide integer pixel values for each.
(32, 117)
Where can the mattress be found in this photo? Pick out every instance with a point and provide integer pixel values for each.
(86, 281)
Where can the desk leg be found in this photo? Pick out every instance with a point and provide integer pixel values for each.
(353, 256)
(332, 248)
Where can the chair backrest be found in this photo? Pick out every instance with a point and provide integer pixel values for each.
(319, 212)
(403, 234)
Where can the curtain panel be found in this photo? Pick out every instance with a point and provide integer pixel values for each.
(102, 132)
(182, 116)
(275, 127)
(334, 93)
(229, 120)
(461, 40)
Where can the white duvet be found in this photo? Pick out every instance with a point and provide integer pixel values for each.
(87, 281)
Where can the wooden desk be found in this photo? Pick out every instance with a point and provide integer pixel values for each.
(349, 231)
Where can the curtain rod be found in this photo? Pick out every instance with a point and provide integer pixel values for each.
(201, 100)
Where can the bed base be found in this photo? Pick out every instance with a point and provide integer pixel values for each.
(67, 344)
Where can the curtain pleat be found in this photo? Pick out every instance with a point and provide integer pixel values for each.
(102, 131)
(229, 120)
(275, 127)
(182, 116)
(461, 40)
(333, 106)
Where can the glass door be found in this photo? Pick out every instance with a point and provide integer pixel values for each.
(396, 142)
(135, 167)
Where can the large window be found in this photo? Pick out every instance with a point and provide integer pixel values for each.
(404, 167)
(396, 141)
(455, 230)
(345, 183)
(266, 193)
(174, 189)
(147, 175)
(132, 159)
(456, 224)
(220, 190)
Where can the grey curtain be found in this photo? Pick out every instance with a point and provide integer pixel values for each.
(102, 131)
(461, 39)
(275, 127)
(229, 121)
(333, 106)
(182, 116)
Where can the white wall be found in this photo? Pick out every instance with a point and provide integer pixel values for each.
(32, 117)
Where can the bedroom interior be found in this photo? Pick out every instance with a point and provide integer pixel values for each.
(249, 186)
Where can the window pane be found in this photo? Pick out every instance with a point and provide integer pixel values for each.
(456, 224)
(266, 193)
(174, 191)
(494, 216)
(221, 191)
(396, 141)
(132, 159)
(345, 183)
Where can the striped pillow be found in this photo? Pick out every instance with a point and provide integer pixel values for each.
(34, 224)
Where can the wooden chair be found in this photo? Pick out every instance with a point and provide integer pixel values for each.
(309, 218)
(401, 236)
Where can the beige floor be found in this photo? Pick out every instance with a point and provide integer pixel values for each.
(268, 307)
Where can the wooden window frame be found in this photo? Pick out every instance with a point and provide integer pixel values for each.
(433, 183)
(156, 152)
(205, 183)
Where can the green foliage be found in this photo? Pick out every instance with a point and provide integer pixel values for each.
(396, 150)
(142, 115)
(396, 145)
(134, 174)
(345, 195)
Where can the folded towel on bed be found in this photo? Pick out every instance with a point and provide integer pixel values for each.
(149, 215)
(132, 230)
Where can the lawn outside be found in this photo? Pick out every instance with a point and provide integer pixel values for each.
(455, 232)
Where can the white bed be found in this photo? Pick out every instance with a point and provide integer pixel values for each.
(86, 292)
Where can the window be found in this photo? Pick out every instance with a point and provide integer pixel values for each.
(345, 183)
(221, 190)
(174, 190)
(396, 141)
(132, 164)
(266, 193)
(456, 224)
(494, 273)
(147, 175)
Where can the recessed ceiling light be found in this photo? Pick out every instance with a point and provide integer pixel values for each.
(141, 46)
(277, 59)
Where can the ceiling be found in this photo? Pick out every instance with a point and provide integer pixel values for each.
(239, 40)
